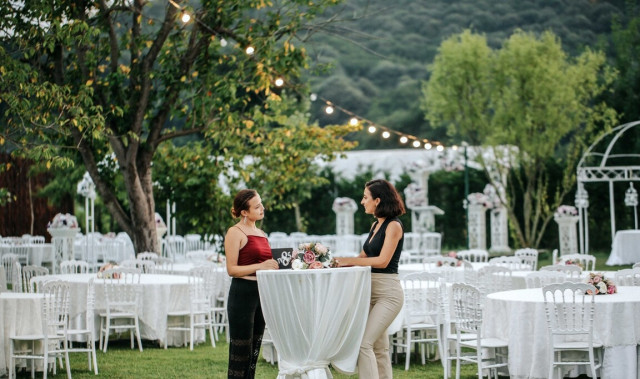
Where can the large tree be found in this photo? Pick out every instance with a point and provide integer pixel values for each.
(125, 76)
(529, 95)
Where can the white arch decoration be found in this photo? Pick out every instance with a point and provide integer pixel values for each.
(600, 166)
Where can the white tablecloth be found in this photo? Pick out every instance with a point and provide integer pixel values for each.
(625, 249)
(38, 253)
(20, 313)
(160, 295)
(316, 318)
(519, 317)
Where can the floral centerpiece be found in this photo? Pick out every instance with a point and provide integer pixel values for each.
(451, 254)
(479, 198)
(312, 256)
(603, 285)
(574, 262)
(105, 267)
(63, 221)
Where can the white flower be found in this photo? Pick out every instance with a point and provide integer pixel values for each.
(297, 264)
(326, 263)
(602, 287)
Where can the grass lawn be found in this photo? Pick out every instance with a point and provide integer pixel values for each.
(207, 362)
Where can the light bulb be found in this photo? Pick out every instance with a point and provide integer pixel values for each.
(386, 134)
(416, 143)
(439, 147)
(353, 121)
(223, 42)
(185, 17)
(403, 139)
(313, 97)
(454, 147)
(372, 129)
(250, 50)
(427, 146)
(279, 82)
(329, 109)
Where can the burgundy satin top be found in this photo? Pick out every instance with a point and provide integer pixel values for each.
(257, 250)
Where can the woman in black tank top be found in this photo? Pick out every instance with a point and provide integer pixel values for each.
(381, 251)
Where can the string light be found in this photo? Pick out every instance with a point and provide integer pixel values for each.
(330, 107)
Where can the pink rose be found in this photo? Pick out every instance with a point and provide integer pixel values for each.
(452, 254)
(611, 289)
(308, 257)
(294, 254)
(596, 279)
(315, 265)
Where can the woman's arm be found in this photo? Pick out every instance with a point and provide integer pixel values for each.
(391, 239)
(233, 242)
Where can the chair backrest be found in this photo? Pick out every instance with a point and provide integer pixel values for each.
(8, 260)
(636, 265)
(572, 271)
(163, 266)
(129, 263)
(29, 272)
(176, 247)
(473, 255)
(430, 244)
(539, 279)
(122, 289)
(421, 298)
(528, 256)
(55, 306)
(74, 267)
(588, 262)
(467, 308)
(193, 242)
(513, 263)
(198, 255)
(494, 279)
(22, 250)
(147, 255)
(628, 277)
(201, 288)
(36, 239)
(91, 305)
(569, 308)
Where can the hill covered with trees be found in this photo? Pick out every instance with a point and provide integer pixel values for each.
(372, 56)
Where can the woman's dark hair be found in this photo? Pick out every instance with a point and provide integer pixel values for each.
(391, 204)
(241, 201)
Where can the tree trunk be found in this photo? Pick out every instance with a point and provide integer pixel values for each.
(141, 207)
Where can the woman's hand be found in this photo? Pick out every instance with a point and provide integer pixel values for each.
(269, 264)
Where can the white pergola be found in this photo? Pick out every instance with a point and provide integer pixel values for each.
(602, 162)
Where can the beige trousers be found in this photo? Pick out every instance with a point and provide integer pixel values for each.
(387, 298)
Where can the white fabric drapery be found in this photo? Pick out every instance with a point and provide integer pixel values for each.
(316, 318)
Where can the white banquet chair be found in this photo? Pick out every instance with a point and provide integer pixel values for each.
(434, 261)
(421, 314)
(511, 262)
(197, 255)
(569, 310)
(528, 256)
(8, 261)
(197, 315)
(572, 272)
(473, 255)
(52, 338)
(587, 261)
(147, 255)
(163, 266)
(85, 331)
(628, 277)
(29, 272)
(492, 279)
(74, 267)
(467, 319)
(122, 292)
(636, 265)
(539, 279)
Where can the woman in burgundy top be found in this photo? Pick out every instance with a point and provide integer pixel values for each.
(247, 251)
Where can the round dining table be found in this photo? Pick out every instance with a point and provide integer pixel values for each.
(316, 318)
(160, 294)
(519, 317)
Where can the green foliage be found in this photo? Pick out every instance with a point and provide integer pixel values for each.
(528, 95)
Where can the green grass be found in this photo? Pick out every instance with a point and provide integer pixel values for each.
(120, 361)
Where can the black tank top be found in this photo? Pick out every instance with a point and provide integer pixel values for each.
(372, 247)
